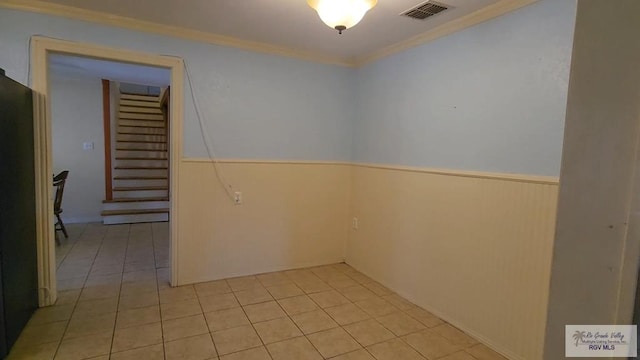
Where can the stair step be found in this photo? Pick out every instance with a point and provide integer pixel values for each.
(141, 126)
(140, 158)
(140, 178)
(146, 161)
(141, 141)
(124, 183)
(138, 123)
(130, 167)
(142, 147)
(135, 149)
(135, 203)
(139, 103)
(141, 171)
(134, 109)
(133, 130)
(141, 192)
(129, 200)
(140, 188)
(134, 212)
(141, 116)
(136, 135)
(129, 96)
(141, 155)
(132, 216)
(147, 154)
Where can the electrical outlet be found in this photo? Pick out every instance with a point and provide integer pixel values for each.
(237, 198)
(354, 223)
(87, 146)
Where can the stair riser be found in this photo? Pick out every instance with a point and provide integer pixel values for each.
(137, 205)
(142, 130)
(133, 219)
(150, 123)
(134, 109)
(139, 103)
(140, 194)
(140, 172)
(141, 137)
(146, 146)
(141, 183)
(139, 97)
(143, 163)
(154, 117)
(151, 154)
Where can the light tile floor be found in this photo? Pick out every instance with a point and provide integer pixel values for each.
(115, 302)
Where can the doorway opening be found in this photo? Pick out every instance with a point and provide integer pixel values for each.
(43, 50)
(110, 156)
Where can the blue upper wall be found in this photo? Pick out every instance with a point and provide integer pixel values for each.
(257, 106)
(489, 98)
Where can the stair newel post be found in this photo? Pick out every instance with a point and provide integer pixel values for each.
(164, 105)
(106, 113)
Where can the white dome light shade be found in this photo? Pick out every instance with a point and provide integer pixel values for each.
(341, 14)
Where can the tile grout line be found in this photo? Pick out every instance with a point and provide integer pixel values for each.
(319, 307)
(372, 317)
(318, 275)
(115, 322)
(155, 266)
(75, 305)
(339, 292)
(64, 257)
(122, 282)
(247, 316)
(302, 334)
(339, 326)
(206, 322)
(84, 228)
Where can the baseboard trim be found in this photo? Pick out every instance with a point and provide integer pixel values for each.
(82, 220)
(269, 270)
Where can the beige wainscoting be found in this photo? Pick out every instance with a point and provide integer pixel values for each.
(473, 248)
(293, 215)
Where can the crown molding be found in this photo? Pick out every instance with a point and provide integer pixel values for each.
(103, 18)
(500, 8)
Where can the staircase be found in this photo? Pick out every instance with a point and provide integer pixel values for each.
(140, 171)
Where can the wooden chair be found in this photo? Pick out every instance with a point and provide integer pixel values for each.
(59, 181)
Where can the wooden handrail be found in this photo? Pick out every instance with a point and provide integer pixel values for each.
(106, 120)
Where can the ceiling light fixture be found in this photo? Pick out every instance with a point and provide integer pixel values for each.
(341, 14)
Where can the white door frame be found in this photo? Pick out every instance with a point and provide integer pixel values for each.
(41, 47)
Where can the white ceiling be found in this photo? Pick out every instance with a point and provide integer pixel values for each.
(290, 24)
(111, 70)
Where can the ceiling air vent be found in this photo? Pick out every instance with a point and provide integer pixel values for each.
(425, 10)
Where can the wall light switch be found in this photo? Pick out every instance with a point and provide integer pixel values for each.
(87, 146)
